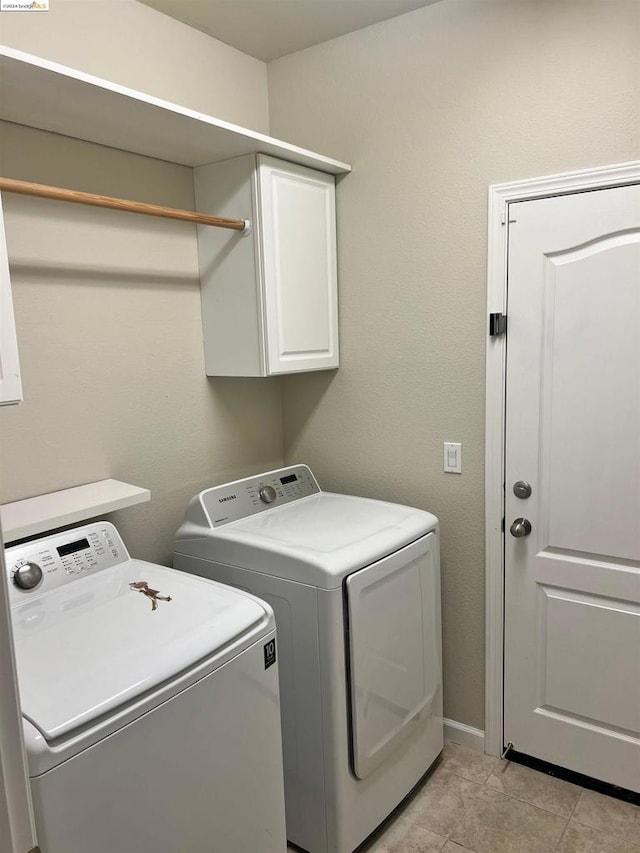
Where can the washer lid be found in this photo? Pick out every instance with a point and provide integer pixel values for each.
(97, 644)
(317, 540)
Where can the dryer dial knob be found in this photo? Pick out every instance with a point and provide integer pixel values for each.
(267, 494)
(27, 576)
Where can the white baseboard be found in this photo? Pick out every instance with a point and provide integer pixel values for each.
(463, 734)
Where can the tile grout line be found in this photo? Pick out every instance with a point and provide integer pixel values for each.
(528, 802)
(456, 823)
(466, 779)
(479, 785)
(562, 834)
(595, 828)
(606, 832)
(542, 808)
(488, 787)
(546, 811)
(484, 786)
(575, 805)
(564, 831)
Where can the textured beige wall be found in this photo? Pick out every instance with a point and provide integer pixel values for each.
(108, 304)
(128, 43)
(109, 331)
(431, 108)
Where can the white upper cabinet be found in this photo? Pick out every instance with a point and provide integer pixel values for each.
(10, 384)
(269, 299)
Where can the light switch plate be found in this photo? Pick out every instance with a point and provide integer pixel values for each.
(453, 457)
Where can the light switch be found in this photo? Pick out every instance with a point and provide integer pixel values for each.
(453, 457)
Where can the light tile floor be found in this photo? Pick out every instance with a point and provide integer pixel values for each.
(473, 802)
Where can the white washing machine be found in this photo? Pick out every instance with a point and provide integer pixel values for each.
(150, 702)
(355, 586)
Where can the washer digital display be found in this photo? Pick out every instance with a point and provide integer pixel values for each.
(72, 547)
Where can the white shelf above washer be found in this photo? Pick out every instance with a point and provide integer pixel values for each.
(45, 95)
(57, 509)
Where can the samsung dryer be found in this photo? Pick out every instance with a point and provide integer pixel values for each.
(355, 586)
(150, 702)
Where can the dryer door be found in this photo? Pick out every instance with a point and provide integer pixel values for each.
(394, 650)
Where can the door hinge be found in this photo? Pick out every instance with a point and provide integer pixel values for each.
(497, 324)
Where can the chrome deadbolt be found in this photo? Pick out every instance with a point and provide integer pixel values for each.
(522, 489)
(520, 527)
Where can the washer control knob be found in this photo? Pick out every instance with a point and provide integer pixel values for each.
(27, 576)
(267, 494)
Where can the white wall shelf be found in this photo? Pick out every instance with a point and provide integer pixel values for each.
(57, 509)
(53, 97)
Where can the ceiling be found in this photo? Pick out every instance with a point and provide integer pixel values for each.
(268, 29)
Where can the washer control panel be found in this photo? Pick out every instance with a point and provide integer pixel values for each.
(243, 498)
(50, 562)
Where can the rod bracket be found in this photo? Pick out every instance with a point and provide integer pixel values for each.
(248, 228)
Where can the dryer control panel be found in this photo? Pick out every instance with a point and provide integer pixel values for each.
(44, 564)
(242, 498)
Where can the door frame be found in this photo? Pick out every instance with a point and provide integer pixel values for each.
(500, 197)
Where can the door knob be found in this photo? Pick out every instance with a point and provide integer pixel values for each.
(520, 527)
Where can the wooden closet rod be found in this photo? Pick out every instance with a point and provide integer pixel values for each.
(59, 194)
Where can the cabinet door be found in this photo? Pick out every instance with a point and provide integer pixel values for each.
(10, 384)
(298, 237)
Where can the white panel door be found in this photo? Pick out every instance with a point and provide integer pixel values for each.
(300, 272)
(572, 585)
(394, 650)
